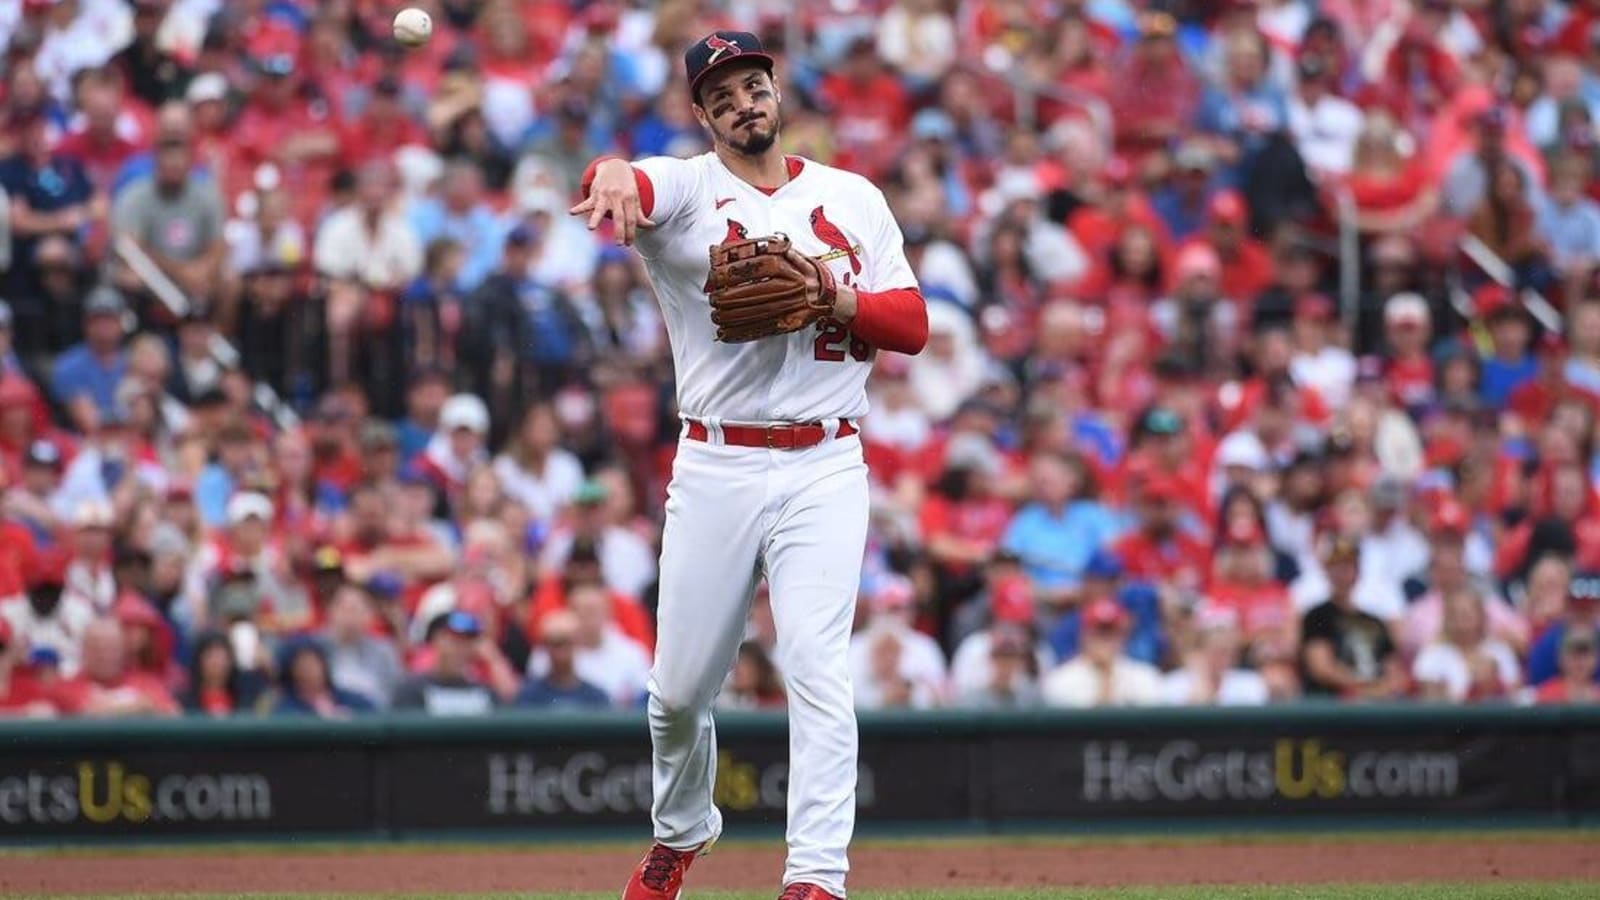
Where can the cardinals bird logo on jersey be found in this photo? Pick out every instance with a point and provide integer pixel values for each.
(830, 234)
(736, 232)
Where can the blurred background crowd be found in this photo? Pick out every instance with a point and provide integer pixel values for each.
(1264, 364)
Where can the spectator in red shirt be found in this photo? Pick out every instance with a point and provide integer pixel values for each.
(1246, 266)
(1564, 514)
(20, 694)
(1158, 550)
(869, 106)
(218, 687)
(1153, 92)
(1243, 584)
(1172, 449)
(962, 520)
(381, 128)
(583, 567)
(1077, 50)
(1393, 192)
(1418, 76)
(149, 639)
(100, 146)
(1408, 327)
(1536, 399)
(370, 544)
(1131, 269)
(108, 684)
(278, 125)
(1112, 204)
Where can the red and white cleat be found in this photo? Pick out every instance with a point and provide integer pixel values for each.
(660, 874)
(802, 891)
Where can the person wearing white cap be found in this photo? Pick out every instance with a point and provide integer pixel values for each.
(1211, 675)
(1239, 459)
(919, 663)
(1408, 329)
(458, 446)
(246, 546)
(88, 573)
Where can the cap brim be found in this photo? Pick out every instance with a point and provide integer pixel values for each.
(756, 56)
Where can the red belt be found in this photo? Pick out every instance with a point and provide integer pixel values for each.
(773, 437)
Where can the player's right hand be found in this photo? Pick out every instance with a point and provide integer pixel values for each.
(615, 194)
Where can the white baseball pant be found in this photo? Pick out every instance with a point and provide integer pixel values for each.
(801, 515)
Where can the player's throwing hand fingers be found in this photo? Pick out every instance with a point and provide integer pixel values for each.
(615, 195)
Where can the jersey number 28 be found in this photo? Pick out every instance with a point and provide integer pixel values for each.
(831, 338)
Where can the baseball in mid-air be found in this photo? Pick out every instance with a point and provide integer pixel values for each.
(412, 27)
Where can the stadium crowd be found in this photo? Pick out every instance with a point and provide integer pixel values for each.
(313, 400)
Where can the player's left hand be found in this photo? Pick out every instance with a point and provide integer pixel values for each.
(761, 287)
(614, 194)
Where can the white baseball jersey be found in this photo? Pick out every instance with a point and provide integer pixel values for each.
(837, 216)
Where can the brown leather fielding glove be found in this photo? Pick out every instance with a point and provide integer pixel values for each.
(760, 287)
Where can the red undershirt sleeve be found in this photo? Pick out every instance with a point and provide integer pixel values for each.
(894, 320)
(647, 191)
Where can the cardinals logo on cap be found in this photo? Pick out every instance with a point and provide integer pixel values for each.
(720, 46)
(829, 234)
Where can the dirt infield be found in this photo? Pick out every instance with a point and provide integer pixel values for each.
(898, 866)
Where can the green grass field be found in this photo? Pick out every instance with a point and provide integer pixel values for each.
(1523, 891)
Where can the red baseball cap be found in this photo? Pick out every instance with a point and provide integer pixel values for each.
(894, 593)
(17, 390)
(1450, 517)
(1314, 306)
(1012, 601)
(48, 569)
(1228, 207)
(1105, 613)
(1493, 299)
(1443, 452)
(1197, 259)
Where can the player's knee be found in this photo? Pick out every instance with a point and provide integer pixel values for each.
(811, 672)
(673, 702)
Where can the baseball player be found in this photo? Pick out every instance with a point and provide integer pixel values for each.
(779, 278)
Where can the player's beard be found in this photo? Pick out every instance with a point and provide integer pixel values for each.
(753, 141)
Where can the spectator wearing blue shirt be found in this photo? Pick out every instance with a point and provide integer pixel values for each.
(10, 363)
(236, 454)
(307, 689)
(1102, 578)
(431, 306)
(460, 213)
(1510, 364)
(425, 397)
(49, 204)
(88, 373)
(1569, 220)
(1583, 612)
(1056, 534)
(560, 687)
(1245, 106)
(1184, 203)
(669, 128)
